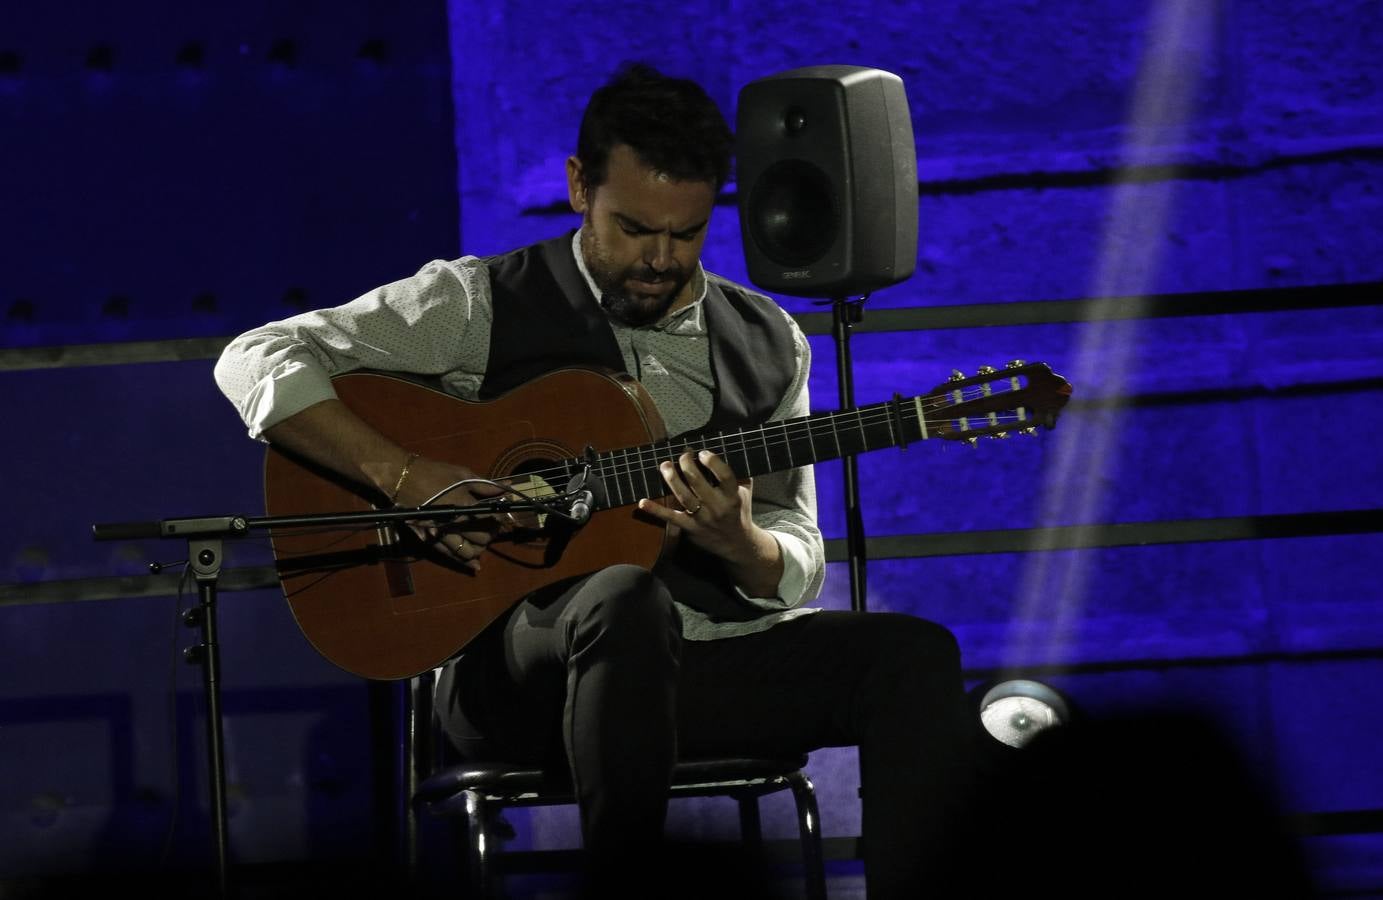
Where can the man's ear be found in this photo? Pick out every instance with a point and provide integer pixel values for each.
(576, 187)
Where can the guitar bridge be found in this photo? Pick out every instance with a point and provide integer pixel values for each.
(397, 573)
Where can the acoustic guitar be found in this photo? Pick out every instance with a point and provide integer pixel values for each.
(382, 604)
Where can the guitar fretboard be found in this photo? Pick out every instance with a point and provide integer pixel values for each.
(632, 473)
(993, 402)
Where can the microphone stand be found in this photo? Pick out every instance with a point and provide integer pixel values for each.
(205, 536)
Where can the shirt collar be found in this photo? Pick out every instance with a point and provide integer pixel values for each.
(687, 320)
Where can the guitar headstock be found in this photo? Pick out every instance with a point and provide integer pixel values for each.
(996, 402)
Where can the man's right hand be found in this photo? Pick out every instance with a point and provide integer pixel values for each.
(333, 436)
(465, 538)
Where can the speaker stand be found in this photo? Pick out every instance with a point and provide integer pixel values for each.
(847, 313)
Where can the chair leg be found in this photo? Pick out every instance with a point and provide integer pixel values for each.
(417, 764)
(809, 825)
(751, 828)
(477, 845)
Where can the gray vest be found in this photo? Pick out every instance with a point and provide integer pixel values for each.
(545, 318)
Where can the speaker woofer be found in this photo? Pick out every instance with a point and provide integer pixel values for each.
(794, 215)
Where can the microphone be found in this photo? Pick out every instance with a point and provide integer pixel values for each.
(580, 509)
(578, 497)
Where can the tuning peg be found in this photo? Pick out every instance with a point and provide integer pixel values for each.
(1015, 364)
(971, 441)
(957, 375)
(1002, 435)
(986, 370)
(1031, 432)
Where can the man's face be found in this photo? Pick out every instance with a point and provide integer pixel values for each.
(641, 235)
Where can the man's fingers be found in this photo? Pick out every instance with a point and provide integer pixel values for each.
(663, 514)
(475, 540)
(718, 466)
(466, 552)
(681, 490)
(694, 468)
(691, 472)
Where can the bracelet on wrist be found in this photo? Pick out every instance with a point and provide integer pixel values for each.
(403, 474)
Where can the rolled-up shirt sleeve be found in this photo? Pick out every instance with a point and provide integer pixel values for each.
(433, 323)
(785, 506)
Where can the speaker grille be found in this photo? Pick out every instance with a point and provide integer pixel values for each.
(793, 213)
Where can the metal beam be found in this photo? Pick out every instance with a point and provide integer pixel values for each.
(1129, 534)
(901, 546)
(114, 354)
(1153, 306)
(917, 318)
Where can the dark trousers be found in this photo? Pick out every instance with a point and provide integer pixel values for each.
(594, 675)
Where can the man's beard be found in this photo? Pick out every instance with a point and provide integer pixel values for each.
(634, 310)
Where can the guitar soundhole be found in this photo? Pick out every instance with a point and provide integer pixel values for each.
(535, 479)
(537, 470)
(535, 456)
(549, 470)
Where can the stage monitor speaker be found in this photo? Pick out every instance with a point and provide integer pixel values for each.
(827, 176)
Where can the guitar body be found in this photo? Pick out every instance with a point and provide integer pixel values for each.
(383, 605)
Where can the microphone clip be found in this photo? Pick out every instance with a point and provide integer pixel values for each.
(577, 498)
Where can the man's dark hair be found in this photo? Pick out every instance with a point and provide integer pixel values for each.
(671, 123)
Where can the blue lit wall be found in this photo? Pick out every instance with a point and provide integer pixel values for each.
(177, 171)
(186, 173)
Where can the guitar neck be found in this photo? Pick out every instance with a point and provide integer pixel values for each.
(632, 473)
(991, 403)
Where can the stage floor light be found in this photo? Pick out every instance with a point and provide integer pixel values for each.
(1016, 711)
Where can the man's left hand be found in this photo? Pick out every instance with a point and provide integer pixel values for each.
(718, 518)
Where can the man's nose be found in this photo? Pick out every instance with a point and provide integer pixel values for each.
(658, 252)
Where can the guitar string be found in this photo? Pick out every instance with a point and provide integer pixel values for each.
(766, 439)
(780, 434)
(639, 460)
(795, 430)
(792, 431)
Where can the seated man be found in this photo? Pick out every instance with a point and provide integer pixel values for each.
(619, 672)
